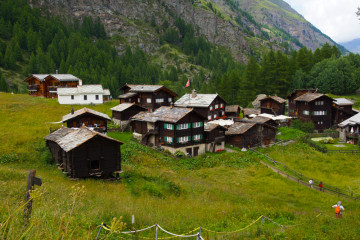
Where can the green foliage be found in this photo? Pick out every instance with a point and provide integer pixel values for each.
(179, 154)
(289, 133)
(317, 145)
(9, 158)
(4, 87)
(307, 127)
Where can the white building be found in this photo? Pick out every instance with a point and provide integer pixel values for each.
(82, 95)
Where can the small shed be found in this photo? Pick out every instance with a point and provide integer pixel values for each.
(83, 152)
(243, 134)
(90, 118)
(232, 111)
(264, 120)
(123, 112)
(273, 105)
(250, 112)
(214, 137)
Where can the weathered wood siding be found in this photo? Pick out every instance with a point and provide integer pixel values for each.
(271, 106)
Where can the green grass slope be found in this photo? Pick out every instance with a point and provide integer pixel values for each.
(221, 192)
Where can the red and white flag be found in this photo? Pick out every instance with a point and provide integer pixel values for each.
(188, 83)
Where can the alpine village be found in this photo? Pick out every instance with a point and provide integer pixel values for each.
(160, 119)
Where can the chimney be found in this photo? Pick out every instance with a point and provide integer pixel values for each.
(57, 71)
(72, 110)
(193, 94)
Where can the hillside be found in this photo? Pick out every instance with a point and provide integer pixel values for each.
(245, 27)
(353, 45)
(221, 192)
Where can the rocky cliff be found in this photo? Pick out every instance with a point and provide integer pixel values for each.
(246, 27)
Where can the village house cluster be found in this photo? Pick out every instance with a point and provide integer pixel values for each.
(192, 125)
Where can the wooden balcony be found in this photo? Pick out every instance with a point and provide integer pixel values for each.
(352, 135)
(34, 88)
(52, 88)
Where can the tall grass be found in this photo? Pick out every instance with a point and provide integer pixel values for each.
(221, 192)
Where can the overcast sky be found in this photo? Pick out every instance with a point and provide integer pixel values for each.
(335, 18)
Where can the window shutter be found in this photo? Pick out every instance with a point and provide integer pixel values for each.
(177, 127)
(325, 112)
(189, 125)
(172, 126)
(201, 136)
(177, 140)
(201, 124)
(165, 138)
(164, 125)
(193, 125)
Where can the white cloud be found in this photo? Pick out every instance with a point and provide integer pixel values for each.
(336, 18)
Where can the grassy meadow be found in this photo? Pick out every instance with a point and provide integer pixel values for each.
(222, 192)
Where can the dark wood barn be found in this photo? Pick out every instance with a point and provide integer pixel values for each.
(273, 105)
(232, 111)
(210, 106)
(342, 110)
(315, 107)
(150, 97)
(82, 153)
(214, 137)
(88, 117)
(123, 112)
(171, 128)
(250, 112)
(291, 98)
(264, 120)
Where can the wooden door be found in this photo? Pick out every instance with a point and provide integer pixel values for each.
(196, 151)
(268, 104)
(267, 141)
(74, 124)
(189, 152)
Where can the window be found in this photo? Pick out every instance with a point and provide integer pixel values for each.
(222, 105)
(85, 97)
(319, 102)
(197, 124)
(148, 100)
(209, 117)
(168, 139)
(95, 164)
(159, 100)
(129, 99)
(169, 99)
(183, 126)
(211, 108)
(305, 112)
(215, 116)
(168, 126)
(72, 97)
(319, 113)
(216, 106)
(184, 139)
(138, 100)
(197, 137)
(97, 97)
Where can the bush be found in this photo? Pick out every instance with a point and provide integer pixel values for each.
(167, 152)
(179, 154)
(9, 158)
(307, 127)
(318, 146)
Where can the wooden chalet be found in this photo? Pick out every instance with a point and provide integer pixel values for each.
(45, 85)
(250, 112)
(150, 97)
(214, 137)
(232, 111)
(171, 128)
(314, 107)
(342, 110)
(250, 134)
(273, 105)
(265, 120)
(350, 129)
(82, 153)
(291, 98)
(210, 106)
(90, 118)
(106, 95)
(123, 112)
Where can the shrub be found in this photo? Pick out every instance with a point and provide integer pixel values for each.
(307, 127)
(179, 154)
(167, 152)
(9, 158)
(318, 146)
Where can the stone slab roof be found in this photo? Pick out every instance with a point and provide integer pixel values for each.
(260, 119)
(201, 100)
(123, 106)
(106, 92)
(127, 95)
(275, 98)
(64, 77)
(144, 88)
(239, 128)
(308, 97)
(83, 111)
(73, 138)
(164, 114)
(343, 102)
(354, 120)
(232, 108)
(249, 111)
(81, 90)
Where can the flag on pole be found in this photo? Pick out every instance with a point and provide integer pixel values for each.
(188, 83)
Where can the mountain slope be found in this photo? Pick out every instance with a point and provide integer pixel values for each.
(245, 27)
(353, 45)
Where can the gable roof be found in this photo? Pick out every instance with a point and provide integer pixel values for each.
(63, 77)
(123, 106)
(239, 128)
(106, 92)
(275, 98)
(300, 90)
(354, 120)
(40, 77)
(73, 138)
(249, 111)
(232, 108)
(309, 97)
(82, 111)
(208, 127)
(147, 88)
(81, 90)
(127, 95)
(343, 102)
(260, 119)
(201, 100)
(165, 114)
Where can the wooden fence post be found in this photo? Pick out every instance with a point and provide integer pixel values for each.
(32, 180)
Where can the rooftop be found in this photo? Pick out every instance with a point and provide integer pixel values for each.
(275, 98)
(64, 77)
(249, 111)
(239, 128)
(81, 90)
(343, 102)
(201, 100)
(260, 119)
(83, 111)
(354, 120)
(70, 138)
(123, 106)
(232, 108)
(127, 95)
(308, 97)
(164, 114)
